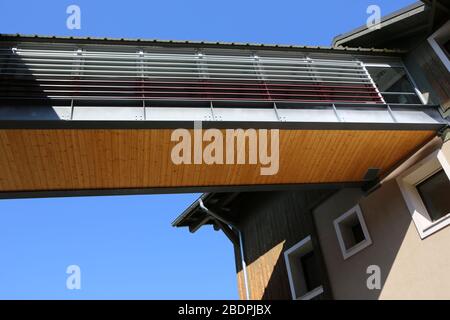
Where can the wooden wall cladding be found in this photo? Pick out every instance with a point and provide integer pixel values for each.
(270, 225)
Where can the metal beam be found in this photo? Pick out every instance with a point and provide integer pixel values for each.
(222, 125)
(173, 190)
(226, 115)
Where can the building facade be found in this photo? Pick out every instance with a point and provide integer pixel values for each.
(385, 239)
(357, 206)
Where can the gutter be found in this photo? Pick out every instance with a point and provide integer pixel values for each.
(241, 243)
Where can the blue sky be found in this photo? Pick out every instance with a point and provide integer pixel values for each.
(125, 246)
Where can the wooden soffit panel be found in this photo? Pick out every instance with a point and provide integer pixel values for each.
(81, 159)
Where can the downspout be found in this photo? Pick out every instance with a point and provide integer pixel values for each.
(241, 243)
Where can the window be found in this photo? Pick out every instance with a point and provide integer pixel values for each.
(426, 188)
(303, 272)
(440, 42)
(352, 232)
(394, 84)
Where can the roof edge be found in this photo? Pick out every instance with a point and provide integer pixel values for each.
(189, 210)
(395, 16)
(191, 44)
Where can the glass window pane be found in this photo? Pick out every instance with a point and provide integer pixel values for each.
(402, 98)
(447, 48)
(435, 194)
(358, 233)
(310, 271)
(390, 79)
(351, 231)
(391, 82)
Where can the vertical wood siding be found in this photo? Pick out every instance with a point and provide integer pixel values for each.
(273, 223)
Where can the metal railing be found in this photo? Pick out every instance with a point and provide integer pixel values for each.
(93, 74)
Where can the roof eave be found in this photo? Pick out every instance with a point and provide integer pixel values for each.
(415, 8)
(181, 219)
(190, 44)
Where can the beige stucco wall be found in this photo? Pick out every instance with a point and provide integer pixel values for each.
(446, 150)
(411, 268)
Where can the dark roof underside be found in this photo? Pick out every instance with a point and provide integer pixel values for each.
(220, 202)
(401, 29)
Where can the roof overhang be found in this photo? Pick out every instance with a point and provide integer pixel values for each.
(400, 29)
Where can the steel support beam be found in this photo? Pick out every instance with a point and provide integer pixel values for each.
(173, 190)
(150, 114)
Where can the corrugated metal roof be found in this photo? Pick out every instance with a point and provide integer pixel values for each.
(180, 43)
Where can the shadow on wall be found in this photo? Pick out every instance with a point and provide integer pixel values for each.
(275, 222)
(25, 88)
(388, 221)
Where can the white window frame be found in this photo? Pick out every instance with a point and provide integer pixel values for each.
(408, 181)
(304, 246)
(347, 253)
(444, 31)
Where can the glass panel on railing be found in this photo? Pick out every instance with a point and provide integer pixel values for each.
(394, 84)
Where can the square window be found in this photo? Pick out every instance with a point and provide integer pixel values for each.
(425, 187)
(352, 232)
(303, 272)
